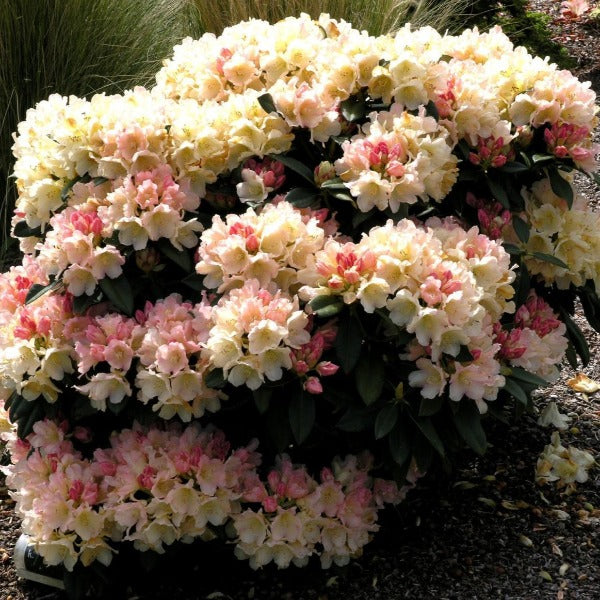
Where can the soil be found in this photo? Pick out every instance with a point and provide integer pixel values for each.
(484, 531)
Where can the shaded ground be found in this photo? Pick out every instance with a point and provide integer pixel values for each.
(486, 531)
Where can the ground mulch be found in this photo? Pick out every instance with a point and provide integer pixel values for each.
(484, 531)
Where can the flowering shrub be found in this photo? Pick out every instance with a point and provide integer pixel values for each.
(303, 239)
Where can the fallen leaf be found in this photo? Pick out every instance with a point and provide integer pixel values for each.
(487, 501)
(563, 569)
(525, 541)
(582, 383)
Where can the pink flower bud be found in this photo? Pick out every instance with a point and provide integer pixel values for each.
(326, 368)
(313, 386)
(270, 504)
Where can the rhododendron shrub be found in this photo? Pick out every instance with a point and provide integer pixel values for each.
(260, 300)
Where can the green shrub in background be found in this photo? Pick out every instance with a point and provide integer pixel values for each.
(76, 47)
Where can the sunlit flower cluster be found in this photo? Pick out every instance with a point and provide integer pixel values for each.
(269, 247)
(571, 235)
(300, 517)
(537, 342)
(153, 487)
(397, 158)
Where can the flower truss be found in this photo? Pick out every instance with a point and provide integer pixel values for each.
(302, 239)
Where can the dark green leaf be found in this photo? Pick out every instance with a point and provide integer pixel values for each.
(521, 228)
(498, 191)
(37, 290)
(513, 249)
(326, 306)
(334, 184)
(428, 430)
(522, 285)
(9, 401)
(430, 406)
(215, 379)
(348, 343)
(82, 303)
(119, 293)
(369, 376)
(468, 424)
(515, 390)
(399, 443)
(560, 186)
(296, 166)
(353, 109)
(342, 196)
(360, 217)
(262, 398)
(514, 167)
(277, 423)
(549, 258)
(355, 419)
(385, 420)
(464, 355)
(576, 337)
(432, 111)
(542, 159)
(18, 408)
(193, 281)
(118, 407)
(99, 180)
(302, 197)
(423, 453)
(26, 423)
(527, 377)
(302, 415)
(23, 230)
(267, 104)
(180, 257)
(571, 355)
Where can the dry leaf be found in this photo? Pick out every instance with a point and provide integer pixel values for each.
(487, 501)
(555, 549)
(525, 541)
(545, 575)
(564, 568)
(582, 383)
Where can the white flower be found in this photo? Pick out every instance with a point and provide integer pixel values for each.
(551, 416)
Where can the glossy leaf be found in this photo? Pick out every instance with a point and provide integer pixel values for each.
(468, 423)
(369, 377)
(302, 197)
(267, 104)
(550, 259)
(296, 166)
(119, 293)
(385, 420)
(560, 186)
(430, 406)
(180, 257)
(521, 228)
(516, 391)
(399, 443)
(302, 415)
(37, 291)
(348, 343)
